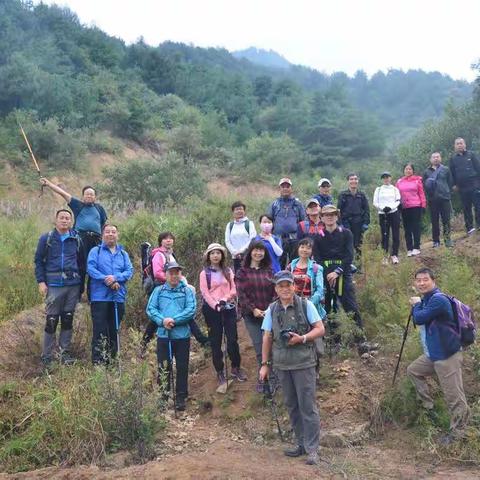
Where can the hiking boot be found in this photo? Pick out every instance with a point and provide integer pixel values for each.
(436, 244)
(181, 404)
(239, 374)
(295, 452)
(395, 260)
(312, 458)
(415, 252)
(221, 378)
(472, 230)
(409, 253)
(449, 243)
(66, 358)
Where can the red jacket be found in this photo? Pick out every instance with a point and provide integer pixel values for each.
(411, 192)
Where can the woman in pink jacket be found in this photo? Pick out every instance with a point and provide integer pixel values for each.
(218, 290)
(413, 203)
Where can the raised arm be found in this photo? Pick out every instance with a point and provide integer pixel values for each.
(56, 189)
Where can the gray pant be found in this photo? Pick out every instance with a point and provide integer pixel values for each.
(59, 305)
(299, 397)
(449, 373)
(254, 328)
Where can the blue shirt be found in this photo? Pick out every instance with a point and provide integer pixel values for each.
(312, 316)
(89, 217)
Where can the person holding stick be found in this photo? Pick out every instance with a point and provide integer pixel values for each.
(109, 268)
(171, 306)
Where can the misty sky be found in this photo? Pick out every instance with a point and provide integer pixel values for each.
(329, 35)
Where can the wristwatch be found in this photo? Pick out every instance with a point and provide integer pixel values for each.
(266, 364)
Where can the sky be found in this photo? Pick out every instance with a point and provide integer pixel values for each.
(328, 35)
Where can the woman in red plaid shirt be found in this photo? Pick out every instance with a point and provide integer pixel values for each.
(255, 292)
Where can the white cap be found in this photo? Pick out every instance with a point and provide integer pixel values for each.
(324, 180)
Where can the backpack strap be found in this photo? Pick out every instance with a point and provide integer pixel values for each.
(48, 244)
(208, 276)
(246, 224)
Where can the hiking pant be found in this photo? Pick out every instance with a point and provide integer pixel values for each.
(59, 306)
(237, 263)
(289, 246)
(298, 388)
(412, 224)
(104, 336)
(449, 374)
(345, 292)
(254, 329)
(471, 199)
(151, 330)
(181, 352)
(390, 221)
(356, 228)
(440, 209)
(218, 323)
(89, 240)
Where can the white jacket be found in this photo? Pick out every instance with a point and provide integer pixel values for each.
(238, 239)
(386, 196)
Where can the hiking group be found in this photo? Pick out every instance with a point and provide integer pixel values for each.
(284, 283)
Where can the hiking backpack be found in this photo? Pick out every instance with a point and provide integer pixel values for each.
(148, 279)
(463, 315)
(48, 244)
(246, 224)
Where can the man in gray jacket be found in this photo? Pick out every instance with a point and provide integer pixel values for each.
(438, 183)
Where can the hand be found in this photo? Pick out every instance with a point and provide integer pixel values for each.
(263, 374)
(168, 323)
(43, 289)
(332, 278)
(295, 339)
(387, 209)
(455, 188)
(257, 313)
(364, 227)
(414, 300)
(115, 286)
(44, 181)
(109, 279)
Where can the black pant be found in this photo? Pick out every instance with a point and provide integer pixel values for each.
(152, 327)
(104, 337)
(471, 198)
(217, 322)
(440, 209)
(289, 251)
(345, 292)
(390, 221)
(89, 240)
(237, 263)
(357, 232)
(412, 224)
(180, 350)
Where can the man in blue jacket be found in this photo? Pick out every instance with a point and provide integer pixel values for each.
(442, 352)
(109, 268)
(58, 271)
(286, 212)
(171, 306)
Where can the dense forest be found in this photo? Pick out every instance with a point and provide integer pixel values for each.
(76, 89)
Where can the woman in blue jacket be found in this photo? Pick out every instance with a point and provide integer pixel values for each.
(109, 269)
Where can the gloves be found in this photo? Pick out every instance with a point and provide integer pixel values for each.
(364, 227)
(387, 209)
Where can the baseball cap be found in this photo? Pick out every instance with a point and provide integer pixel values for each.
(312, 200)
(329, 209)
(283, 276)
(285, 180)
(171, 265)
(385, 174)
(324, 180)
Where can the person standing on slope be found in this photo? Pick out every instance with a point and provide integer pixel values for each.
(273, 243)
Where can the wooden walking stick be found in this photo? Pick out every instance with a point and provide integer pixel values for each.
(32, 155)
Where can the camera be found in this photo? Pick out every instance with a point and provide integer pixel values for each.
(285, 333)
(223, 305)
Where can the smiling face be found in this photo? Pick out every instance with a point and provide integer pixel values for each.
(304, 251)
(313, 208)
(285, 189)
(330, 220)
(352, 182)
(174, 275)
(89, 195)
(424, 283)
(408, 171)
(258, 254)
(168, 242)
(215, 257)
(238, 212)
(285, 291)
(387, 180)
(110, 235)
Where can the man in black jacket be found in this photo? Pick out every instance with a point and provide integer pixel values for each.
(438, 183)
(465, 169)
(354, 211)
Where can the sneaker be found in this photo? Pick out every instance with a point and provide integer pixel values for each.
(312, 458)
(181, 405)
(449, 243)
(385, 261)
(415, 252)
(409, 253)
(294, 452)
(436, 244)
(239, 374)
(221, 378)
(472, 230)
(395, 260)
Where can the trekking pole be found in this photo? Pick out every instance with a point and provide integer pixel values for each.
(170, 374)
(405, 333)
(220, 389)
(269, 396)
(117, 327)
(35, 163)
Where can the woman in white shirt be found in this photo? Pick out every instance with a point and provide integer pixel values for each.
(238, 234)
(386, 200)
